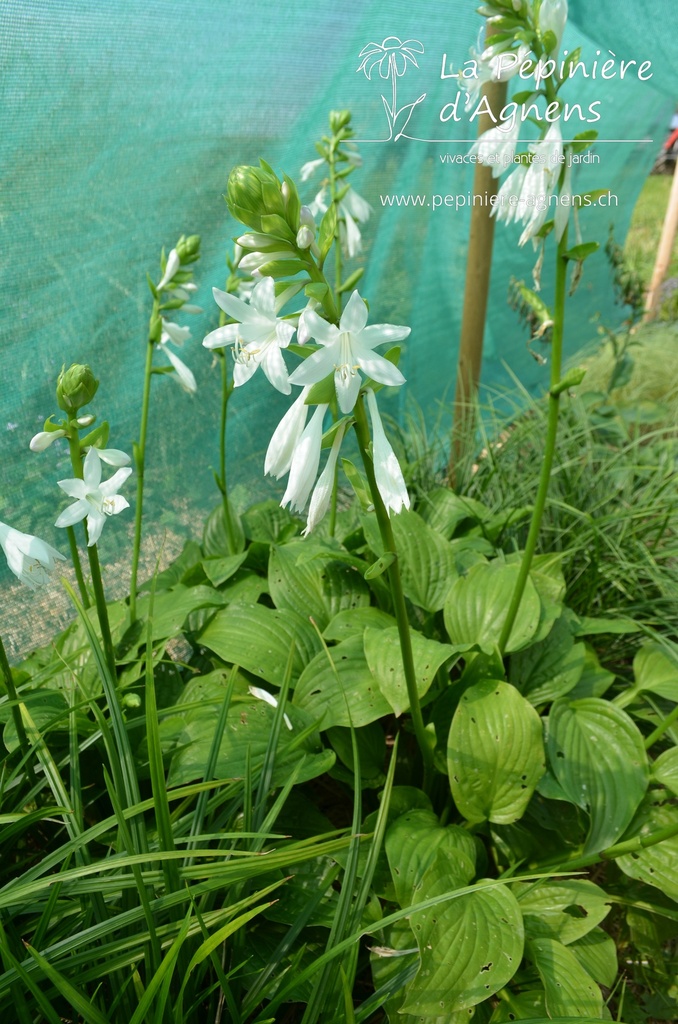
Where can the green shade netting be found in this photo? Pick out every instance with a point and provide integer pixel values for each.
(119, 125)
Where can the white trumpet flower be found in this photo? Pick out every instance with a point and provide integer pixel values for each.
(347, 349)
(258, 337)
(30, 559)
(95, 499)
(322, 492)
(305, 462)
(286, 437)
(387, 471)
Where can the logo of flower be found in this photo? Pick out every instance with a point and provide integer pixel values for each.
(392, 56)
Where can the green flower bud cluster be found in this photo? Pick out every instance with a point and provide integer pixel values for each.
(76, 386)
(188, 249)
(255, 197)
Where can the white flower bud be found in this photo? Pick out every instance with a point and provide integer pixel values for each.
(41, 441)
(304, 237)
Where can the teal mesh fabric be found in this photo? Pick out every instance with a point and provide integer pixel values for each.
(119, 125)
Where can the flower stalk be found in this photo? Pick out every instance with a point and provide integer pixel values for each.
(93, 555)
(140, 464)
(388, 540)
(77, 565)
(226, 392)
(550, 443)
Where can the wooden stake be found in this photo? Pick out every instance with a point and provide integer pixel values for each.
(664, 252)
(478, 267)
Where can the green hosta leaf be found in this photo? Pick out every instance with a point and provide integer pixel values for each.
(601, 627)
(319, 588)
(354, 621)
(597, 954)
(444, 511)
(495, 753)
(529, 1005)
(477, 604)
(412, 843)
(341, 691)
(564, 910)
(426, 561)
(384, 657)
(218, 570)
(570, 990)
(550, 668)
(268, 523)
(655, 865)
(260, 639)
(246, 736)
(172, 607)
(665, 770)
(470, 948)
(598, 758)
(371, 751)
(48, 709)
(594, 680)
(655, 671)
(215, 540)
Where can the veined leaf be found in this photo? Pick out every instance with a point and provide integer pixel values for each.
(259, 639)
(412, 843)
(341, 691)
(319, 587)
(385, 660)
(469, 949)
(598, 758)
(477, 605)
(570, 990)
(495, 753)
(566, 909)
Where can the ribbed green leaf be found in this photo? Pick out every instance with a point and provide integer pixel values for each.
(598, 758)
(550, 668)
(656, 672)
(495, 753)
(469, 949)
(259, 640)
(413, 841)
(354, 621)
(565, 910)
(477, 605)
(246, 736)
(426, 561)
(656, 865)
(319, 587)
(384, 657)
(597, 953)
(570, 990)
(665, 770)
(342, 691)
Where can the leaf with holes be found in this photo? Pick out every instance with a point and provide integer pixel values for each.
(656, 864)
(470, 947)
(337, 687)
(495, 753)
(384, 657)
(260, 639)
(318, 587)
(412, 842)
(477, 605)
(570, 990)
(598, 758)
(566, 910)
(426, 561)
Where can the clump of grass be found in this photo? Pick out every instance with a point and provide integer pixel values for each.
(613, 501)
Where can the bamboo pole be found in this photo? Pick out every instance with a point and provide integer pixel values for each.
(478, 267)
(664, 252)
